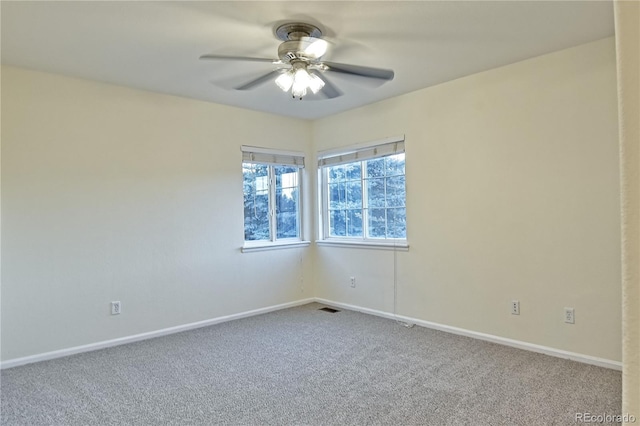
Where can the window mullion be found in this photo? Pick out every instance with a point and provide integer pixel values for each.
(299, 204)
(272, 204)
(324, 201)
(386, 204)
(327, 204)
(365, 195)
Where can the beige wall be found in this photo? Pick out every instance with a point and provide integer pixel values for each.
(110, 193)
(117, 194)
(627, 14)
(512, 193)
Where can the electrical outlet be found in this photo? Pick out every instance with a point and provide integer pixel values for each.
(353, 282)
(569, 316)
(515, 307)
(116, 308)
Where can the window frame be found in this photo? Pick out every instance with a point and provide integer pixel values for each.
(323, 193)
(272, 159)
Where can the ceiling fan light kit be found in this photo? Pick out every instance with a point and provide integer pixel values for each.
(299, 80)
(300, 66)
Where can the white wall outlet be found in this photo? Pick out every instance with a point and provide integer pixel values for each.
(515, 307)
(353, 282)
(569, 316)
(116, 308)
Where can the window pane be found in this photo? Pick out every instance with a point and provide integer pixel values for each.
(256, 201)
(287, 202)
(397, 223)
(354, 195)
(375, 168)
(396, 193)
(337, 195)
(375, 192)
(287, 225)
(377, 223)
(286, 177)
(394, 165)
(336, 173)
(353, 171)
(354, 223)
(337, 223)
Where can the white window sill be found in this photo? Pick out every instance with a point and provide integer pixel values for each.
(274, 246)
(376, 245)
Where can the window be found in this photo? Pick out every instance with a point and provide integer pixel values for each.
(271, 186)
(363, 194)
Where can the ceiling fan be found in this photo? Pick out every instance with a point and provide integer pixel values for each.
(300, 67)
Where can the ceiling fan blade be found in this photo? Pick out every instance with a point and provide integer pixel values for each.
(379, 73)
(238, 58)
(256, 82)
(329, 90)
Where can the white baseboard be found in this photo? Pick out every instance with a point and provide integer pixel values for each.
(143, 336)
(587, 359)
(559, 353)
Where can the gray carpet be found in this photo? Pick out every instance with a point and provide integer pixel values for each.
(302, 366)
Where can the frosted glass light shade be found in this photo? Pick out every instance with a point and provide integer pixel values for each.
(284, 81)
(315, 83)
(299, 80)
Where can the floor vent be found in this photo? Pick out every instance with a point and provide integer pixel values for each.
(333, 311)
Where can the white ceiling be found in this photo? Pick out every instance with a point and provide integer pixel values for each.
(155, 45)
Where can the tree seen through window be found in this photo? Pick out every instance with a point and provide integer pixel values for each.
(366, 199)
(271, 202)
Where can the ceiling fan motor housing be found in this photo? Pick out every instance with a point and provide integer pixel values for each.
(297, 37)
(296, 30)
(295, 49)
